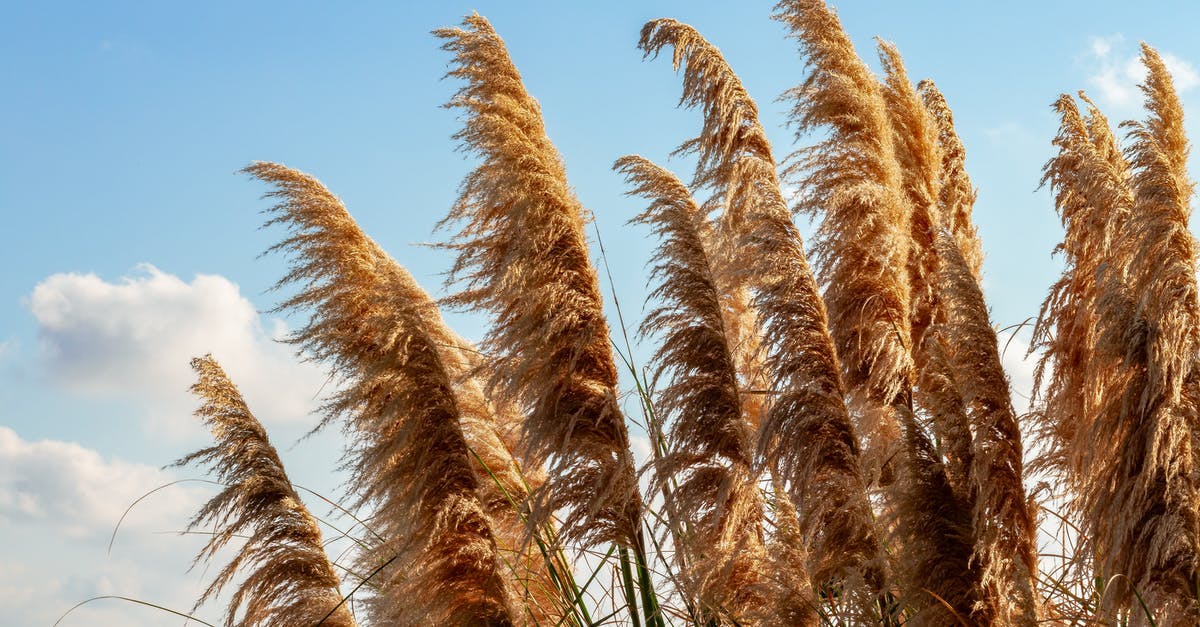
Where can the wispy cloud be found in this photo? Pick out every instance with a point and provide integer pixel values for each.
(1115, 70)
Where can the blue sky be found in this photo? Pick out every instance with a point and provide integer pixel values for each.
(131, 243)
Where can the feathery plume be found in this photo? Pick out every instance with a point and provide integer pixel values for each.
(370, 323)
(290, 580)
(1089, 179)
(523, 257)
(709, 461)
(956, 196)
(1004, 524)
(805, 434)
(932, 531)
(786, 583)
(915, 137)
(852, 180)
(1093, 200)
(1142, 496)
(935, 538)
(730, 132)
(937, 386)
(1003, 527)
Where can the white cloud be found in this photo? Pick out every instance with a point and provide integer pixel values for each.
(133, 339)
(80, 494)
(59, 503)
(1115, 70)
(1102, 46)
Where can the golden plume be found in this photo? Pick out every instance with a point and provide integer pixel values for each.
(1141, 494)
(934, 538)
(1092, 200)
(937, 385)
(523, 257)
(805, 434)
(931, 531)
(918, 153)
(1003, 520)
(1089, 179)
(787, 587)
(852, 180)
(377, 332)
(709, 457)
(289, 578)
(1003, 526)
(956, 196)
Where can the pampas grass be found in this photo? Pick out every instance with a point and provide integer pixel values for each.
(852, 181)
(709, 459)
(1145, 522)
(829, 447)
(288, 578)
(409, 459)
(804, 433)
(523, 258)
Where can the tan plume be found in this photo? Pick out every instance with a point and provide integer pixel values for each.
(852, 181)
(787, 587)
(523, 258)
(289, 579)
(1004, 523)
(377, 331)
(919, 155)
(1093, 201)
(1089, 179)
(1141, 497)
(709, 457)
(956, 196)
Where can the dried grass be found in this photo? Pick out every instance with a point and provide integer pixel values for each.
(523, 258)
(851, 179)
(289, 578)
(708, 465)
(804, 435)
(378, 332)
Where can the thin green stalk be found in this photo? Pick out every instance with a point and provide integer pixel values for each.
(574, 593)
(653, 613)
(591, 578)
(628, 587)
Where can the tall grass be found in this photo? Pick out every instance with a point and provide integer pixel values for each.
(288, 579)
(833, 444)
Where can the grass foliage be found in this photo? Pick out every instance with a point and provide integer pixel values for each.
(833, 436)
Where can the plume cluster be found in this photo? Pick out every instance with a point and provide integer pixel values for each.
(840, 445)
(851, 179)
(804, 432)
(1120, 408)
(911, 328)
(709, 461)
(289, 579)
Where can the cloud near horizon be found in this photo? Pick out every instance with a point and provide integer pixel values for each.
(78, 492)
(61, 501)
